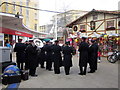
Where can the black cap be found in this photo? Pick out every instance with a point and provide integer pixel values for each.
(56, 41)
(84, 37)
(67, 43)
(47, 41)
(92, 41)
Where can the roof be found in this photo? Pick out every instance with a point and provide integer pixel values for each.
(93, 11)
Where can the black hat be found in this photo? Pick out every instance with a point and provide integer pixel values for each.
(67, 43)
(92, 41)
(48, 41)
(84, 37)
(56, 41)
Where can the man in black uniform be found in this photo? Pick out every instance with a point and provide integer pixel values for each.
(20, 53)
(26, 57)
(83, 58)
(48, 55)
(91, 56)
(42, 58)
(96, 52)
(31, 51)
(67, 57)
(57, 59)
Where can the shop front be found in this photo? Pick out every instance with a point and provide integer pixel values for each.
(13, 36)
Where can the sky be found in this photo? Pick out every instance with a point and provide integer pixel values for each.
(61, 5)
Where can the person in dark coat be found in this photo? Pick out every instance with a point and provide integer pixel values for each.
(20, 54)
(32, 54)
(42, 58)
(57, 58)
(96, 52)
(83, 58)
(67, 57)
(92, 56)
(48, 55)
(26, 56)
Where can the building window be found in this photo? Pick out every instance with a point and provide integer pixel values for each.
(110, 25)
(21, 8)
(36, 16)
(95, 17)
(27, 2)
(36, 5)
(14, 9)
(27, 21)
(6, 7)
(27, 13)
(82, 28)
(35, 27)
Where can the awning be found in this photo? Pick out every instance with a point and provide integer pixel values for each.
(14, 32)
(8, 22)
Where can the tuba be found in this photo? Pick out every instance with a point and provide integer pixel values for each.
(38, 43)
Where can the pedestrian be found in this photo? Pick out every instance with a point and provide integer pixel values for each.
(8, 44)
(57, 58)
(31, 51)
(20, 53)
(96, 53)
(67, 57)
(48, 55)
(26, 56)
(42, 57)
(83, 56)
(99, 56)
(11, 49)
(92, 56)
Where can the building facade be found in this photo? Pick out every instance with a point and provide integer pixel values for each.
(60, 20)
(101, 25)
(30, 16)
(19, 19)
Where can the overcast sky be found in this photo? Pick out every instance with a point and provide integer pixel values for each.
(60, 5)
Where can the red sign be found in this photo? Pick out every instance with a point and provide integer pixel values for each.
(14, 32)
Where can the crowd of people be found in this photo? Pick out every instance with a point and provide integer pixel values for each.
(29, 56)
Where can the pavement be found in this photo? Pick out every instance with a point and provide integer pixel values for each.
(105, 77)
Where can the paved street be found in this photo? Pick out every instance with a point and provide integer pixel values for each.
(105, 77)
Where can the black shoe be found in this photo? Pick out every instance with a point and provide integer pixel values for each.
(57, 73)
(80, 73)
(50, 70)
(67, 74)
(91, 71)
(34, 75)
(84, 73)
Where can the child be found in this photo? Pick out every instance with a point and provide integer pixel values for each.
(99, 55)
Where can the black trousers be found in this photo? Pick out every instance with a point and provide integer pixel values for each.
(42, 63)
(67, 70)
(56, 70)
(48, 64)
(83, 70)
(32, 71)
(96, 64)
